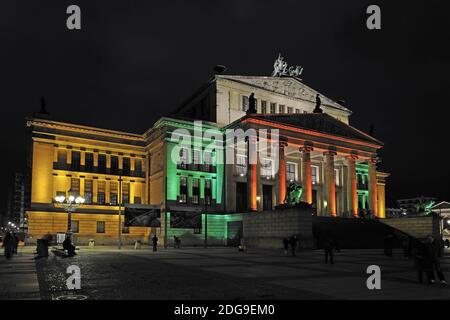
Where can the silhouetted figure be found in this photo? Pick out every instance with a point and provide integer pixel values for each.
(435, 252)
(293, 243)
(285, 246)
(388, 245)
(8, 245)
(317, 109)
(328, 247)
(16, 242)
(252, 104)
(447, 243)
(177, 242)
(69, 247)
(155, 242)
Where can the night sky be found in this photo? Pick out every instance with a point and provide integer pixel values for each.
(134, 61)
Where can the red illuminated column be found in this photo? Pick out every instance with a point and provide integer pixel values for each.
(330, 182)
(373, 207)
(351, 185)
(282, 173)
(306, 174)
(252, 181)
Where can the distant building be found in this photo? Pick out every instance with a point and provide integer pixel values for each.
(18, 201)
(411, 204)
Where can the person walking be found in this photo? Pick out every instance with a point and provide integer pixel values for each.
(285, 246)
(16, 242)
(435, 252)
(155, 243)
(8, 245)
(293, 243)
(328, 247)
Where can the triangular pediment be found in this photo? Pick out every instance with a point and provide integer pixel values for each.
(289, 86)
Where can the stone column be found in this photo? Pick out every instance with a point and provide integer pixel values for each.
(252, 183)
(282, 172)
(373, 187)
(330, 184)
(306, 174)
(351, 185)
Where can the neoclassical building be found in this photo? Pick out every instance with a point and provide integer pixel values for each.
(335, 163)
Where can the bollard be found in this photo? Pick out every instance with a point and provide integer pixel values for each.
(137, 245)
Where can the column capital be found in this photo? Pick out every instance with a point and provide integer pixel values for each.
(352, 157)
(330, 153)
(373, 160)
(306, 149)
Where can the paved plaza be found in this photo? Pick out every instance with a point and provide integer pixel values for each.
(214, 273)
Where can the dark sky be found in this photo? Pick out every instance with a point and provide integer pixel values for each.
(134, 61)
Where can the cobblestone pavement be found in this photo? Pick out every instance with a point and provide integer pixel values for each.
(224, 273)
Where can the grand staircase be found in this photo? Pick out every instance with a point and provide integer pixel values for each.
(353, 233)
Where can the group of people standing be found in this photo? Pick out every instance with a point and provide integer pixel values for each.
(10, 244)
(291, 244)
(425, 253)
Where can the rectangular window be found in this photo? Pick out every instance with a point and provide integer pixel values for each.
(195, 191)
(101, 192)
(244, 103)
(281, 108)
(290, 171)
(266, 168)
(182, 162)
(88, 191)
(208, 192)
(137, 200)
(273, 107)
(102, 163)
(125, 192)
(62, 156)
(290, 110)
(183, 190)
(76, 160)
(100, 226)
(207, 161)
(113, 193)
(75, 226)
(114, 165)
(315, 174)
(297, 111)
(241, 165)
(196, 159)
(89, 162)
(126, 166)
(75, 186)
(337, 177)
(138, 166)
(263, 107)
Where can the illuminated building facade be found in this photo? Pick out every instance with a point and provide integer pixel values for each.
(335, 164)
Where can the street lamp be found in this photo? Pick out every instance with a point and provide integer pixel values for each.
(70, 204)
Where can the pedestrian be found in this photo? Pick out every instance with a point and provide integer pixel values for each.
(8, 244)
(293, 243)
(447, 243)
(435, 252)
(155, 242)
(328, 247)
(16, 242)
(285, 246)
(388, 244)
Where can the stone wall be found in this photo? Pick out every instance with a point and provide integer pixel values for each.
(418, 227)
(267, 229)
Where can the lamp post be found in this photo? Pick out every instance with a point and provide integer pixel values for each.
(70, 204)
(120, 214)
